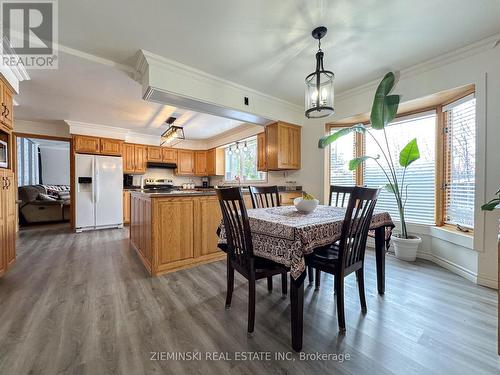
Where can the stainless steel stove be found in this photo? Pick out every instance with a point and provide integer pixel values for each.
(151, 184)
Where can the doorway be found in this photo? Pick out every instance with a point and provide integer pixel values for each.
(43, 180)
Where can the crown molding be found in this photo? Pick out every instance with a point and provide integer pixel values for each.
(100, 60)
(85, 128)
(431, 64)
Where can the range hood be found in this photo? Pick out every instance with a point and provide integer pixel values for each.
(161, 165)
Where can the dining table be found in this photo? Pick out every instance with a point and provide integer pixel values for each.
(286, 236)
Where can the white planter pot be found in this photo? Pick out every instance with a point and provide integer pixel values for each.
(406, 248)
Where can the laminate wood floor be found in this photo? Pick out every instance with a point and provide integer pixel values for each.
(82, 304)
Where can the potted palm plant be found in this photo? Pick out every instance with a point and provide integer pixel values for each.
(384, 110)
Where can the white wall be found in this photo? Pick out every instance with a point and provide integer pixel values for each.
(55, 165)
(479, 65)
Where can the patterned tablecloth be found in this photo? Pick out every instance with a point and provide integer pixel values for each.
(284, 235)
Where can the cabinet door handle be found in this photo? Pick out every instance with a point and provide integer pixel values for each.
(8, 180)
(6, 110)
(4, 185)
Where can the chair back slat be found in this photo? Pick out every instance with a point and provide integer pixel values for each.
(236, 226)
(339, 195)
(264, 196)
(356, 224)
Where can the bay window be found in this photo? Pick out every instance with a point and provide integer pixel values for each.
(440, 183)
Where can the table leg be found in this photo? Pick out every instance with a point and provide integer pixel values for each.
(380, 258)
(297, 310)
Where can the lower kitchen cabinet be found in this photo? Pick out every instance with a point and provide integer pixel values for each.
(7, 220)
(126, 207)
(170, 233)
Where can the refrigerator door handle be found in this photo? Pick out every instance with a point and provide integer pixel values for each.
(93, 180)
(96, 174)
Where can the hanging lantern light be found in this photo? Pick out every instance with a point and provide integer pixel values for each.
(319, 84)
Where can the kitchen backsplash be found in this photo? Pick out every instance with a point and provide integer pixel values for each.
(158, 173)
(273, 178)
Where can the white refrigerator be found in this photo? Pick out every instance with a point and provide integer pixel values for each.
(99, 192)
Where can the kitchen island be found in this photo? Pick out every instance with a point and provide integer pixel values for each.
(177, 229)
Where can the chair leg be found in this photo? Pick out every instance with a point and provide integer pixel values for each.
(310, 274)
(269, 284)
(251, 305)
(284, 283)
(318, 277)
(339, 288)
(230, 285)
(361, 289)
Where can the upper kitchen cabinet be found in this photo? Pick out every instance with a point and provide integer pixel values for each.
(112, 147)
(135, 158)
(154, 154)
(7, 105)
(169, 155)
(141, 158)
(215, 162)
(200, 161)
(185, 163)
(261, 152)
(86, 145)
(279, 147)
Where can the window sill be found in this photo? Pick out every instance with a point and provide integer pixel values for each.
(444, 233)
(454, 236)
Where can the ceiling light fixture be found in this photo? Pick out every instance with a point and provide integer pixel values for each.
(319, 84)
(172, 132)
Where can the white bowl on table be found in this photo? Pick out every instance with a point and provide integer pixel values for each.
(305, 206)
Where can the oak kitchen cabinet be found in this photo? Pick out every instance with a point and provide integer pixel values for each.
(7, 220)
(200, 162)
(84, 144)
(6, 100)
(126, 207)
(215, 162)
(169, 155)
(154, 154)
(185, 163)
(279, 147)
(111, 147)
(135, 158)
(174, 232)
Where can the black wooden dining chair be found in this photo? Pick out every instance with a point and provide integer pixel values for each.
(265, 196)
(348, 254)
(240, 250)
(338, 197)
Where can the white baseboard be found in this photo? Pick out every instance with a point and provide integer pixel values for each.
(449, 265)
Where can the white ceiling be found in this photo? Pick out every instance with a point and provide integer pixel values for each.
(86, 91)
(266, 45)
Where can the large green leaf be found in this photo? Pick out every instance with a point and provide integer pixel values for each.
(327, 139)
(409, 153)
(491, 205)
(384, 106)
(356, 162)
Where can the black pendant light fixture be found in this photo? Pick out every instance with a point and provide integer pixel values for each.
(172, 133)
(319, 84)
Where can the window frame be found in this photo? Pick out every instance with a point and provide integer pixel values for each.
(441, 150)
(264, 180)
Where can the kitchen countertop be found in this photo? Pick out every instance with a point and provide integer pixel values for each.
(195, 192)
